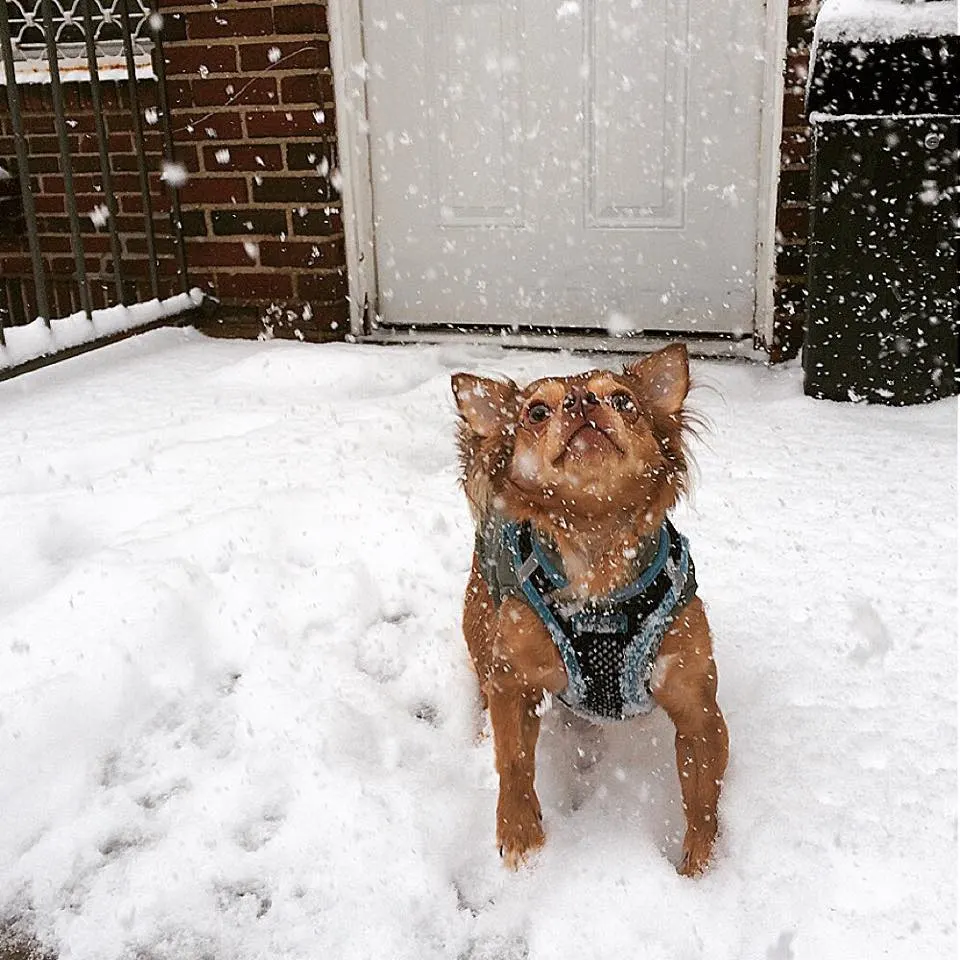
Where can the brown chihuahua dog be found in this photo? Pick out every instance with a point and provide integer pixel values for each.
(580, 585)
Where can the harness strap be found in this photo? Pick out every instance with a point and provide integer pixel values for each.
(620, 632)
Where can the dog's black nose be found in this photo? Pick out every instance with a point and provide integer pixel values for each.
(581, 399)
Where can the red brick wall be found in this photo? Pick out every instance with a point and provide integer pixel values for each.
(49, 198)
(793, 207)
(251, 96)
(251, 103)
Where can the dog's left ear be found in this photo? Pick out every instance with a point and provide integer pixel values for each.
(664, 377)
(485, 405)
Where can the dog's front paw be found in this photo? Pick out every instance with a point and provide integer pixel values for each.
(697, 847)
(519, 830)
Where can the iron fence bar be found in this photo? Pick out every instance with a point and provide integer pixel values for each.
(103, 146)
(23, 165)
(59, 120)
(176, 223)
(138, 144)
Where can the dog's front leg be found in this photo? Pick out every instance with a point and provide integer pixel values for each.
(525, 665)
(685, 685)
(515, 730)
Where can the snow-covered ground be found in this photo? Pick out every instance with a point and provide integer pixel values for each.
(237, 719)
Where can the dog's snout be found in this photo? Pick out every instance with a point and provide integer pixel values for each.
(578, 400)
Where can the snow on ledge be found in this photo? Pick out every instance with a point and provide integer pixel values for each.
(34, 340)
(885, 20)
(77, 69)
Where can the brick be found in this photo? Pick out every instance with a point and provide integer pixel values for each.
(800, 30)
(193, 223)
(792, 222)
(266, 156)
(234, 90)
(214, 126)
(794, 109)
(194, 60)
(798, 66)
(255, 286)
(316, 222)
(65, 265)
(244, 22)
(120, 143)
(795, 149)
(792, 260)
(281, 123)
(47, 203)
(789, 314)
(294, 55)
(291, 190)
(175, 27)
(308, 156)
(307, 18)
(40, 145)
(179, 94)
(301, 254)
(313, 88)
(43, 123)
(795, 186)
(51, 164)
(133, 203)
(136, 268)
(323, 287)
(250, 222)
(164, 246)
(216, 253)
(210, 190)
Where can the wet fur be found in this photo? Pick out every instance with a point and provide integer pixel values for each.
(515, 659)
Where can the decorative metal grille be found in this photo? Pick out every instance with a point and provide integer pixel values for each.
(28, 37)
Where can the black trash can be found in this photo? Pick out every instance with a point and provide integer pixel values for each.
(884, 296)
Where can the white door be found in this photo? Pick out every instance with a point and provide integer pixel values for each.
(587, 163)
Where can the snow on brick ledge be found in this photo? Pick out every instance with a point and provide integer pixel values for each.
(882, 20)
(35, 339)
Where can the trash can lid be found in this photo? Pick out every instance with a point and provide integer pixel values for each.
(885, 58)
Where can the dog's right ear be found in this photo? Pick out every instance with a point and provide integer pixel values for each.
(485, 405)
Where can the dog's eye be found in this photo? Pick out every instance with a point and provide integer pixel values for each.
(538, 412)
(622, 402)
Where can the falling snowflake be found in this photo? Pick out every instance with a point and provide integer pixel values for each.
(273, 54)
(151, 115)
(174, 173)
(251, 249)
(222, 156)
(99, 215)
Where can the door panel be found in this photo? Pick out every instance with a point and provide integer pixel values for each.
(565, 163)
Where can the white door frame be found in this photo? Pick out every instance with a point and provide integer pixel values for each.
(356, 187)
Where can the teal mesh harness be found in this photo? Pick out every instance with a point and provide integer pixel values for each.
(608, 644)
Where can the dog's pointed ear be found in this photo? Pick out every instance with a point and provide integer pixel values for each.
(664, 377)
(485, 405)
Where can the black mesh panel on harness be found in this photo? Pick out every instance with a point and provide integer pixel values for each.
(608, 644)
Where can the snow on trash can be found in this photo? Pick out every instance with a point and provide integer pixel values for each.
(884, 298)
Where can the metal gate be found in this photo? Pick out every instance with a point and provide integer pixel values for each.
(78, 267)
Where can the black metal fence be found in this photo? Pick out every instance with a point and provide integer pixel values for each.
(85, 60)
